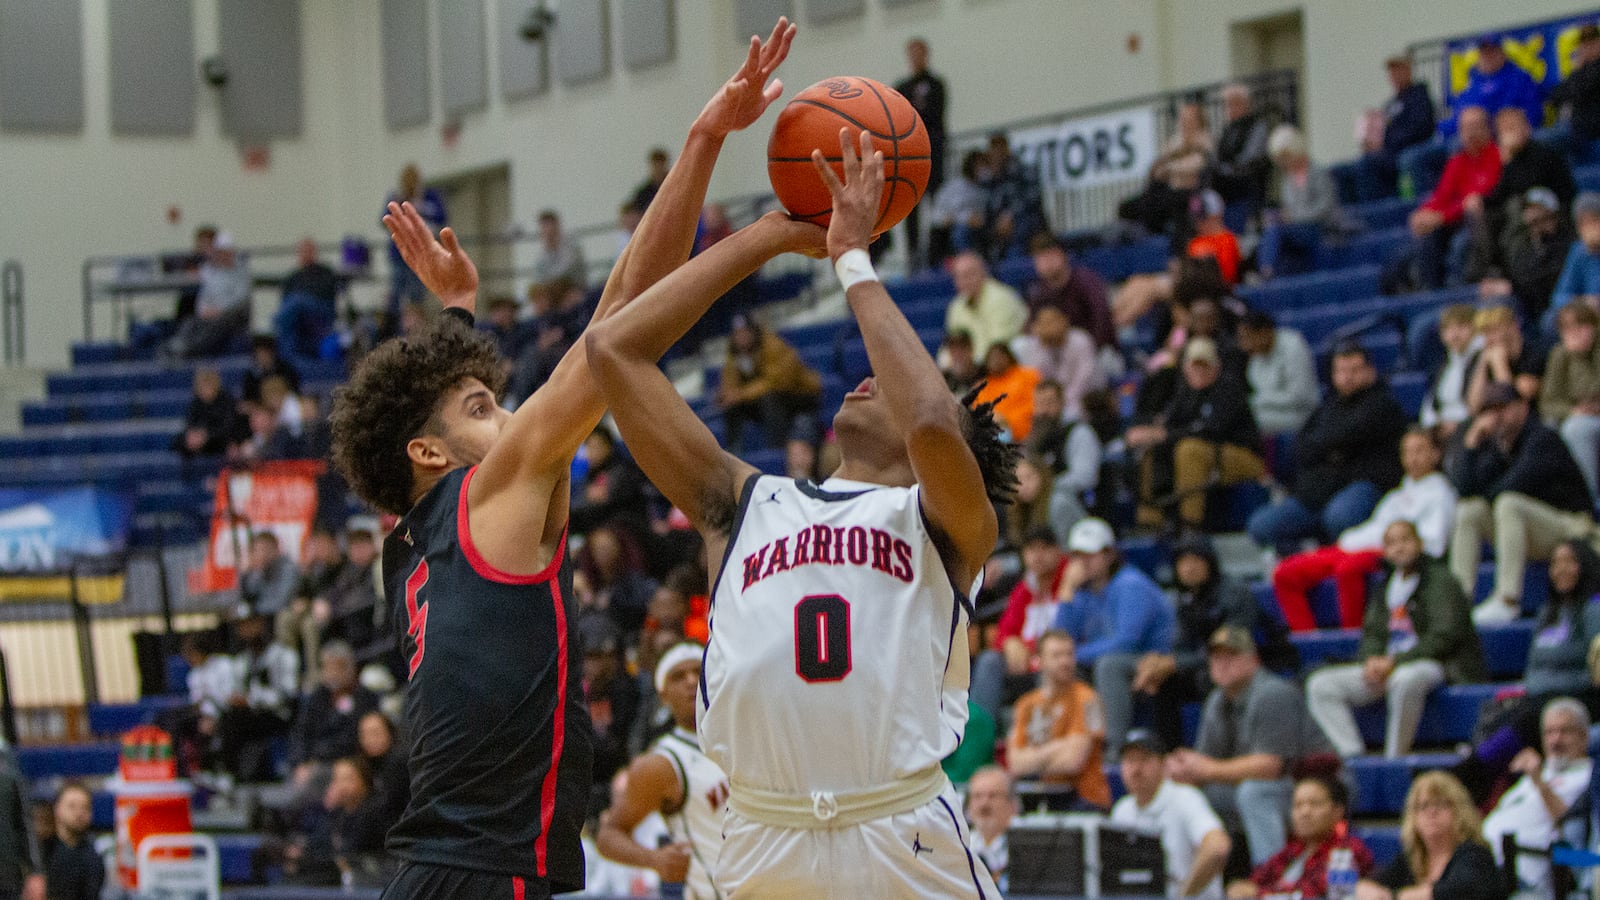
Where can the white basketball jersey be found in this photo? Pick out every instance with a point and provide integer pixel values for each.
(838, 652)
(699, 822)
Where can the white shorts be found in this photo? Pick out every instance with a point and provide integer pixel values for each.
(917, 854)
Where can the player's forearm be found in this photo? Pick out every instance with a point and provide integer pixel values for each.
(905, 372)
(618, 846)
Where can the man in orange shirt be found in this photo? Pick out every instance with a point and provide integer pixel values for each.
(1059, 731)
(1010, 385)
(1212, 237)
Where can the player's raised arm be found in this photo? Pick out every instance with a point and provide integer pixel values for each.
(953, 493)
(671, 444)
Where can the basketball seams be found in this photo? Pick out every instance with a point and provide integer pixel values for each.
(894, 144)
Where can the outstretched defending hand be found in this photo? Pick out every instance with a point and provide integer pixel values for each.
(748, 93)
(445, 268)
(856, 200)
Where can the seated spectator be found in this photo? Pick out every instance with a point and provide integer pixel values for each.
(1059, 730)
(959, 221)
(326, 727)
(386, 760)
(560, 265)
(1212, 237)
(659, 165)
(1415, 636)
(1569, 396)
(1281, 373)
(1062, 354)
(1193, 317)
(1408, 120)
(613, 488)
(222, 308)
(1577, 100)
(1002, 674)
(1557, 667)
(1471, 172)
(959, 363)
(1523, 261)
(1318, 826)
(1254, 730)
(614, 566)
(346, 846)
(1494, 83)
(1504, 359)
(1242, 166)
(983, 307)
(355, 611)
(1344, 458)
(269, 578)
(1163, 206)
(1069, 453)
(1442, 850)
(1520, 489)
(1531, 811)
(1075, 290)
(1205, 600)
(1010, 385)
(510, 334)
(1308, 208)
(1193, 841)
(1525, 164)
(1016, 206)
(764, 382)
(1031, 506)
(1207, 437)
(991, 808)
(612, 695)
(72, 868)
(310, 305)
(1444, 406)
(213, 682)
(265, 362)
(268, 679)
(212, 423)
(297, 625)
(1425, 498)
(1579, 281)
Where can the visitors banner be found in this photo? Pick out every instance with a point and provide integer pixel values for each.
(280, 497)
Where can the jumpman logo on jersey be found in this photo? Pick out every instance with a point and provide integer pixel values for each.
(773, 498)
(918, 848)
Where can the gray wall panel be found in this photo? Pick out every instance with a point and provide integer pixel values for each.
(260, 41)
(524, 65)
(893, 3)
(404, 28)
(758, 16)
(820, 11)
(647, 32)
(154, 75)
(582, 41)
(41, 65)
(463, 67)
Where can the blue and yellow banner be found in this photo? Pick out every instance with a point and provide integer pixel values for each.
(1544, 51)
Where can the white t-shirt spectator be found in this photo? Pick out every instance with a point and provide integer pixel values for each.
(1430, 502)
(1521, 812)
(213, 683)
(996, 854)
(1181, 815)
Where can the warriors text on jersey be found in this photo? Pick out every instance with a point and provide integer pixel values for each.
(698, 820)
(838, 652)
(501, 744)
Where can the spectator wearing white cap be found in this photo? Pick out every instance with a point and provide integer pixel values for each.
(1115, 613)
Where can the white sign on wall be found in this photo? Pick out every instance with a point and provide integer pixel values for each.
(1085, 152)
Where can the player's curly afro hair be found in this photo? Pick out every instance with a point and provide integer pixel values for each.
(997, 459)
(394, 395)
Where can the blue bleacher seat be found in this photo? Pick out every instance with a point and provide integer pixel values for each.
(1381, 784)
(1375, 248)
(1588, 178)
(1150, 555)
(112, 719)
(1382, 840)
(67, 760)
(233, 855)
(1382, 214)
(1505, 647)
(1449, 717)
(1313, 289)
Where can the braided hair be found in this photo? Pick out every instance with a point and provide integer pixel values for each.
(997, 459)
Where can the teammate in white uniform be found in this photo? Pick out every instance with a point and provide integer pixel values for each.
(836, 676)
(678, 781)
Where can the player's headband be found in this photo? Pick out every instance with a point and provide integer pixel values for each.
(687, 651)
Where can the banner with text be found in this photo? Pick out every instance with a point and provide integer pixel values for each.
(279, 497)
(1095, 150)
(1544, 51)
(42, 529)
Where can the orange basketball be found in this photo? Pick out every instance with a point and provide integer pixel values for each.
(812, 121)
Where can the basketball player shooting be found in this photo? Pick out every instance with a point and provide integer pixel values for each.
(836, 675)
(501, 743)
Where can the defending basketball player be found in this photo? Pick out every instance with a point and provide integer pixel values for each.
(678, 781)
(501, 742)
(836, 675)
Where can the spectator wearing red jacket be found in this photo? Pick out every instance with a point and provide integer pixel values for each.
(1435, 225)
(1300, 869)
(1004, 674)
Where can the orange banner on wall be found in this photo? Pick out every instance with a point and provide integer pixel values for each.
(279, 497)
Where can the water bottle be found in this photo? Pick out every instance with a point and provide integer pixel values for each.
(670, 890)
(1342, 875)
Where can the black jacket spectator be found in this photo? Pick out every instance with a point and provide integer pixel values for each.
(1219, 414)
(1348, 439)
(1471, 874)
(1408, 118)
(1538, 465)
(220, 421)
(1219, 601)
(72, 872)
(613, 488)
(314, 279)
(1581, 91)
(353, 604)
(1535, 165)
(1243, 167)
(265, 363)
(325, 729)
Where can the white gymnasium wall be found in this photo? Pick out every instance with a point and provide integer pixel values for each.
(581, 149)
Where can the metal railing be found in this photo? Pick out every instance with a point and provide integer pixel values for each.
(1275, 94)
(12, 326)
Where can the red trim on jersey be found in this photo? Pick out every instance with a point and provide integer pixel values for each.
(518, 889)
(481, 565)
(547, 795)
